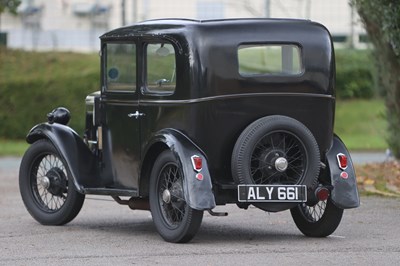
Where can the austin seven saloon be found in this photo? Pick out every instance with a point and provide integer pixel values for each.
(194, 114)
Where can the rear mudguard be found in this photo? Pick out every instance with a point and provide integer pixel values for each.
(80, 161)
(345, 193)
(197, 191)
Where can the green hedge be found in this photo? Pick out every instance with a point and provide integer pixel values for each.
(32, 84)
(354, 78)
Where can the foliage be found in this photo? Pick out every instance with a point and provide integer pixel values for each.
(381, 19)
(32, 84)
(354, 74)
(9, 5)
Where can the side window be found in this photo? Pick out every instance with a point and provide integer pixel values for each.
(121, 67)
(267, 59)
(161, 72)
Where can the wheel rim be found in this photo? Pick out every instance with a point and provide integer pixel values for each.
(278, 158)
(49, 182)
(313, 213)
(170, 195)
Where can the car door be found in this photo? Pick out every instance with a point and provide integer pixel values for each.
(121, 115)
(159, 85)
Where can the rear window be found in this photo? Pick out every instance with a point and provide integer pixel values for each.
(269, 59)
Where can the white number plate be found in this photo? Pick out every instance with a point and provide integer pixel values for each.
(272, 193)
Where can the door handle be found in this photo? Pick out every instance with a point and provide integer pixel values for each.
(136, 114)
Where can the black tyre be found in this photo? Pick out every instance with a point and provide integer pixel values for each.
(276, 150)
(45, 185)
(319, 220)
(175, 221)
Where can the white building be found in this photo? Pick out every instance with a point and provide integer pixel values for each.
(76, 24)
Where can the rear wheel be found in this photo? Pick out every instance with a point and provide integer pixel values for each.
(46, 187)
(319, 220)
(174, 219)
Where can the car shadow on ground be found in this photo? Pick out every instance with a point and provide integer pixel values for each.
(210, 232)
(242, 234)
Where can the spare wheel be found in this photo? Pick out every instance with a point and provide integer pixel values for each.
(276, 150)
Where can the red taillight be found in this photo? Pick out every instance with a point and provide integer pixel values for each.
(342, 161)
(322, 193)
(197, 163)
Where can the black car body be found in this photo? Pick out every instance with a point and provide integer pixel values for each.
(194, 114)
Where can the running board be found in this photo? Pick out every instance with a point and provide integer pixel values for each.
(111, 192)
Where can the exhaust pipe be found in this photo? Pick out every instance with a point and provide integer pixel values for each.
(134, 203)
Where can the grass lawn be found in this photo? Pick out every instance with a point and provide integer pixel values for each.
(13, 147)
(361, 124)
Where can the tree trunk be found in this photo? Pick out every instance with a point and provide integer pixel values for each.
(382, 22)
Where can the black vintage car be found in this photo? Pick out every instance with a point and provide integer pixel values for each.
(193, 114)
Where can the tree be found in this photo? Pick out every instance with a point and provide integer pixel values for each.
(381, 20)
(10, 6)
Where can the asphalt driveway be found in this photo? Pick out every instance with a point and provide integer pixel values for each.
(106, 233)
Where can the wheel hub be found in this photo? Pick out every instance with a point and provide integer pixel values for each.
(166, 196)
(55, 181)
(281, 164)
(44, 181)
(273, 160)
(174, 196)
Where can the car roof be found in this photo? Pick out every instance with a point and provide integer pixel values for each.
(164, 26)
(210, 48)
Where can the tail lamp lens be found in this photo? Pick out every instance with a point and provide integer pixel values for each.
(322, 194)
(342, 161)
(197, 163)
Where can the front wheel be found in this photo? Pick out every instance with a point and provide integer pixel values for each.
(319, 220)
(45, 185)
(174, 219)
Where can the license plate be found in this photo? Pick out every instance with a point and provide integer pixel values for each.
(272, 193)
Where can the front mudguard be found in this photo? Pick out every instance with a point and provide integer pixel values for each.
(79, 159)
(198, 193)
(344, 193)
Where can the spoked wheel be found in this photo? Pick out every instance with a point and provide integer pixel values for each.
(276, 150)
(174, 219)
(279, 157)
(319, 220)
(46, 189)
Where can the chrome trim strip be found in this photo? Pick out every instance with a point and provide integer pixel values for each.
(234, 96)
(215, 98)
